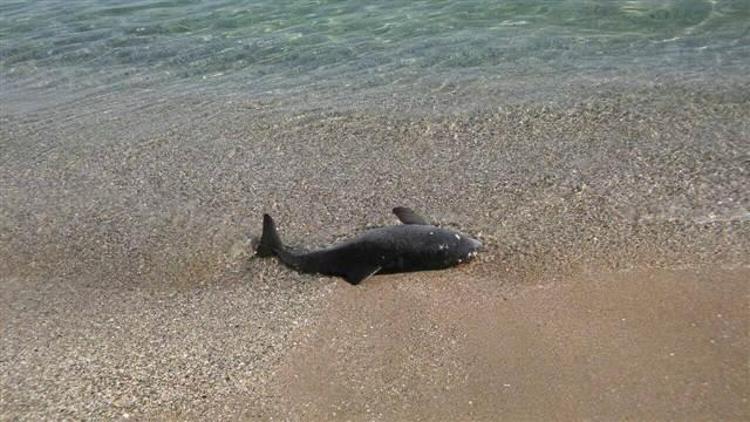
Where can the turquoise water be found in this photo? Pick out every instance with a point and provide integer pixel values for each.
(75, 46)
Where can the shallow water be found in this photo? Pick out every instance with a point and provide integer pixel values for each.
(167, 119)
(71, 49)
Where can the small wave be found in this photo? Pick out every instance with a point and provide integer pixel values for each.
(513, 23)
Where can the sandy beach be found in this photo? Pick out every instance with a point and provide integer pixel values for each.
(613, 284)
(629, 346)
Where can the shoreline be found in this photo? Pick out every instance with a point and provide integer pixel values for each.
(125, 242)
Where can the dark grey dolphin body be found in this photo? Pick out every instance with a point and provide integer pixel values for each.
(414, 246)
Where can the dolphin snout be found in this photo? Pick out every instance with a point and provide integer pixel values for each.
(475, 244)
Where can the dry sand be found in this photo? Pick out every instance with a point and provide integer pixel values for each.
(613, 284)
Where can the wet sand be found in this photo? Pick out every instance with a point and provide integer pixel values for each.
(629, 346)
(128, 288)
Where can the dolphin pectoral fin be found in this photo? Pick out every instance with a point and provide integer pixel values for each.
(408, 216)
(358, 273)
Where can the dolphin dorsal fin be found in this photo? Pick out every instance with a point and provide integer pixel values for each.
(408, 216)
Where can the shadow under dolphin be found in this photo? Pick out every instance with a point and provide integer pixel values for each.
(415, 245)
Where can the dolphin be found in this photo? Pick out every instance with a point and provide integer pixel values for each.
(415, 245)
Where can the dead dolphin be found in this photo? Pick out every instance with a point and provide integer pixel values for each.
(415, 245)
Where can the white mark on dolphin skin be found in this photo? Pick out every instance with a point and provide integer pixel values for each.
(457, 236)
(442, 246)
(431, 233)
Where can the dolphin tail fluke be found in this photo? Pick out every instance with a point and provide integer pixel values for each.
(270, 243)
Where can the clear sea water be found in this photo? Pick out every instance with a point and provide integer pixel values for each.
(72, 48)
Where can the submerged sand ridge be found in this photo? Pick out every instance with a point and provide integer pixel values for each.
(128, 288)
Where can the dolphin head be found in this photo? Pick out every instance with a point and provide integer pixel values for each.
(461, 248)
